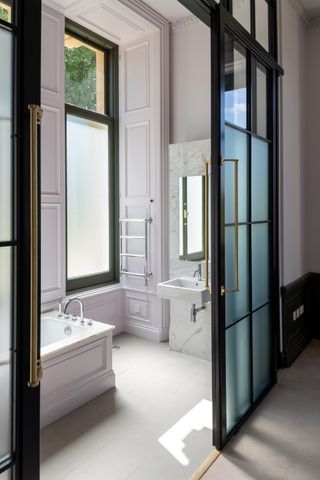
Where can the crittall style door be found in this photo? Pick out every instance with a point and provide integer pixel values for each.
(244, 210)
(20, 38)
(245, 217)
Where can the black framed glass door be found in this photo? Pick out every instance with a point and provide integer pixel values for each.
(20, 40)
(245, 219)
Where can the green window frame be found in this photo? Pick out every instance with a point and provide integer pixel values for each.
(109, 117)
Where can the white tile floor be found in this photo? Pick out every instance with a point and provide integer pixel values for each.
(116, 436)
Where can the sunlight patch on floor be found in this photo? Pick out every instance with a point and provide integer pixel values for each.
(174, 440)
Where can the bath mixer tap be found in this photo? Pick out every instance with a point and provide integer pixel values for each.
(75, 299)
(198, 271)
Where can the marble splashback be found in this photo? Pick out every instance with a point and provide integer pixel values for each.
(186, 159)
(188, 337)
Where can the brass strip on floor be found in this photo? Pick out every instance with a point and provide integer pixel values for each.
(204, 467)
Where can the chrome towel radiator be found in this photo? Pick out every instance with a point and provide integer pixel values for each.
(144, 256)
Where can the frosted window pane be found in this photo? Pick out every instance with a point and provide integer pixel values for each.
(260, 265)
(5, 134)
(87, 197)
(5, 354)
(241, 10)
(262, 23)
(260, 180)
(262, 350)
(237, 304)
(237, 371)
(195, 214)
(236, 147)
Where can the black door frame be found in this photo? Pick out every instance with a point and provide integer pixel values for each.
(217, 17)
(26, 29)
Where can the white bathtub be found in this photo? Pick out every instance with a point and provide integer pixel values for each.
(77, 364)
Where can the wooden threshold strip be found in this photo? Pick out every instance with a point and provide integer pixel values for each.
(205, 465)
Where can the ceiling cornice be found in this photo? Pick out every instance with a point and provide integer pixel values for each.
(184, 22)
(309, 21)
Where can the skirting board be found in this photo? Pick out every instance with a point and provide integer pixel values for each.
(204, 467)
(150, 333)
(55, 406)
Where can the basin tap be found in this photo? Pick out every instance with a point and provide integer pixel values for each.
(198, 272)
(76, 299)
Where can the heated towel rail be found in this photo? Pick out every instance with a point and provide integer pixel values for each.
(144, 256)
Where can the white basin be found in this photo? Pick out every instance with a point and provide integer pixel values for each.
(185, 289)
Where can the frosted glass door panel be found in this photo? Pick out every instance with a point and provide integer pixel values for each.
(87, 197)
(5, 350)
(262, 350)
(195, 213)
(261, 101)
(260, 265)
(236, 147)
(237, 304)
(260, 180)
(5, 135)
(237, 371)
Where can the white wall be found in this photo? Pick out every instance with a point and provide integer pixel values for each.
(190, 77)
(312, 154)
(104, 306)
(292, 47)
(131, 306)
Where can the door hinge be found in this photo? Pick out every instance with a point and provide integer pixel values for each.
(222, 291)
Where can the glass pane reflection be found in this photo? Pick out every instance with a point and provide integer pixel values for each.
(5, 350)
(260, 265)
(5, 135)
(237, 371)
(261, 101)
(262, 23)
(262, 350)
(241, 10)
(235, 83)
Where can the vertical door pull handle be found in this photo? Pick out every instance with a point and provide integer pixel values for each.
(35, 361)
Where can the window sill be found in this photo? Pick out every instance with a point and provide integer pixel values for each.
(94, 291)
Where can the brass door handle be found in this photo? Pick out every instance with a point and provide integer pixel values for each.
(236, 289)
(35, 362)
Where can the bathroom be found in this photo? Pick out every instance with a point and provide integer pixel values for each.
(139, 247)
(145, 363)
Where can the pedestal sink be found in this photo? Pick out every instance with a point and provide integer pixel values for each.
(185, 289)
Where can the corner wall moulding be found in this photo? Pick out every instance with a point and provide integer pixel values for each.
(309, 21)
(184, 22)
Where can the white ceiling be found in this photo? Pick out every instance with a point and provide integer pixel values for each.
(172, 10)
(312, 7)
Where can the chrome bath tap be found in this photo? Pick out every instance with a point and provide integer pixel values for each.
(76, 299)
